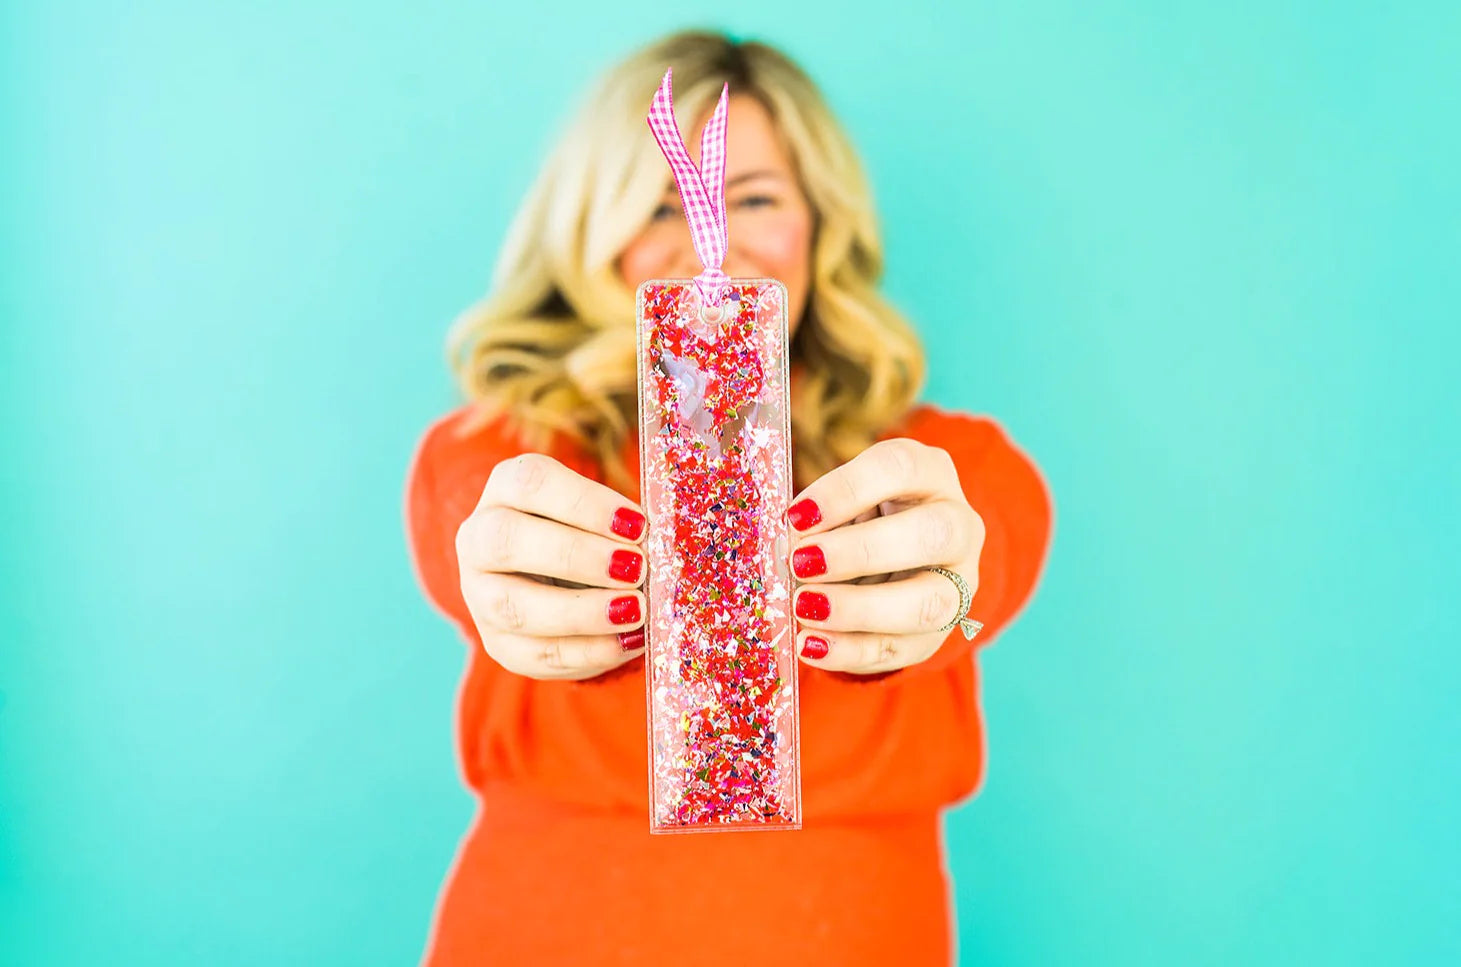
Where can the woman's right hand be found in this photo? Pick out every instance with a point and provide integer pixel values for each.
(538, 520)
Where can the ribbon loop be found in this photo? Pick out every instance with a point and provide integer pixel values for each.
(702, 189)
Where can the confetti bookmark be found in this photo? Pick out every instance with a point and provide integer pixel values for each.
(715, 474)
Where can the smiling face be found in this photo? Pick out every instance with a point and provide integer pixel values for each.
(769, 220)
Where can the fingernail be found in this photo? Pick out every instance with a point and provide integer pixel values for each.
(630, 640)
(808, 562)
(628, 524)
(624, 611)
(625, 565)
(814, 647)
(803, 514)
(813, 605)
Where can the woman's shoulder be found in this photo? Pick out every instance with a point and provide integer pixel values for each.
(461, 437)
(967, 436)
(990, 461)
(454, 455)
(465, 444)
(457, 450)
(450, 463)
(467, 427)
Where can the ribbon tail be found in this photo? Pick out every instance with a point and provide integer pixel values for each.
(712, 165)
(702, 188)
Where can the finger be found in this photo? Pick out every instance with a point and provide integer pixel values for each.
(922, 603)
(864, 653)
(537, 484)
(568, 657)
(519, 605)
(889, 469)
(506, 540)
(938, 532)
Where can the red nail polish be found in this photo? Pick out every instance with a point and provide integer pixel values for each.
(808, 562)
(625, 566)
(814, 647)
(628, 524)
(804, 514)
(624, 611)
(630, 640)
(813, 605)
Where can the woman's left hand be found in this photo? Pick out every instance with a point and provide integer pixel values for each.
(863, 536)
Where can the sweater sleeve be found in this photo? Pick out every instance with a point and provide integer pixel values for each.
(431, 521)
(443, 486)
(1009, 493)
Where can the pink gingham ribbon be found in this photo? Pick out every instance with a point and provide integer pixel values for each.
(702, 190)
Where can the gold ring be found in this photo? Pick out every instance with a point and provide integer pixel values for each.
(967, 625)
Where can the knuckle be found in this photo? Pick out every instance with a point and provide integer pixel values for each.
(466, 536)
(497, 480)
(851, 491)
(936, 608)
(867, 556)
(962, 534)
(499, 527)
(943, 459)
(570, 555)
(505, 611)
(884, 649)
(935, 534)
(555, 655)
(899, 456)
(550, 655)
(580, 496)
(526, 473)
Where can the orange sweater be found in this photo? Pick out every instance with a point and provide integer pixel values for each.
(559, 866)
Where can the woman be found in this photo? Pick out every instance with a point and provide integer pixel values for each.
(526, 531)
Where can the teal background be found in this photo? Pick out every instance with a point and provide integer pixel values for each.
(1200, 260)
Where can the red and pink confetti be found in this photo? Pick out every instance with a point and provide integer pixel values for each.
(715, 473)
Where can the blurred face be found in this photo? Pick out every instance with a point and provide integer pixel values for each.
(768, 219)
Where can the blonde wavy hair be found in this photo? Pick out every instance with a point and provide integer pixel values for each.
(551, 347)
